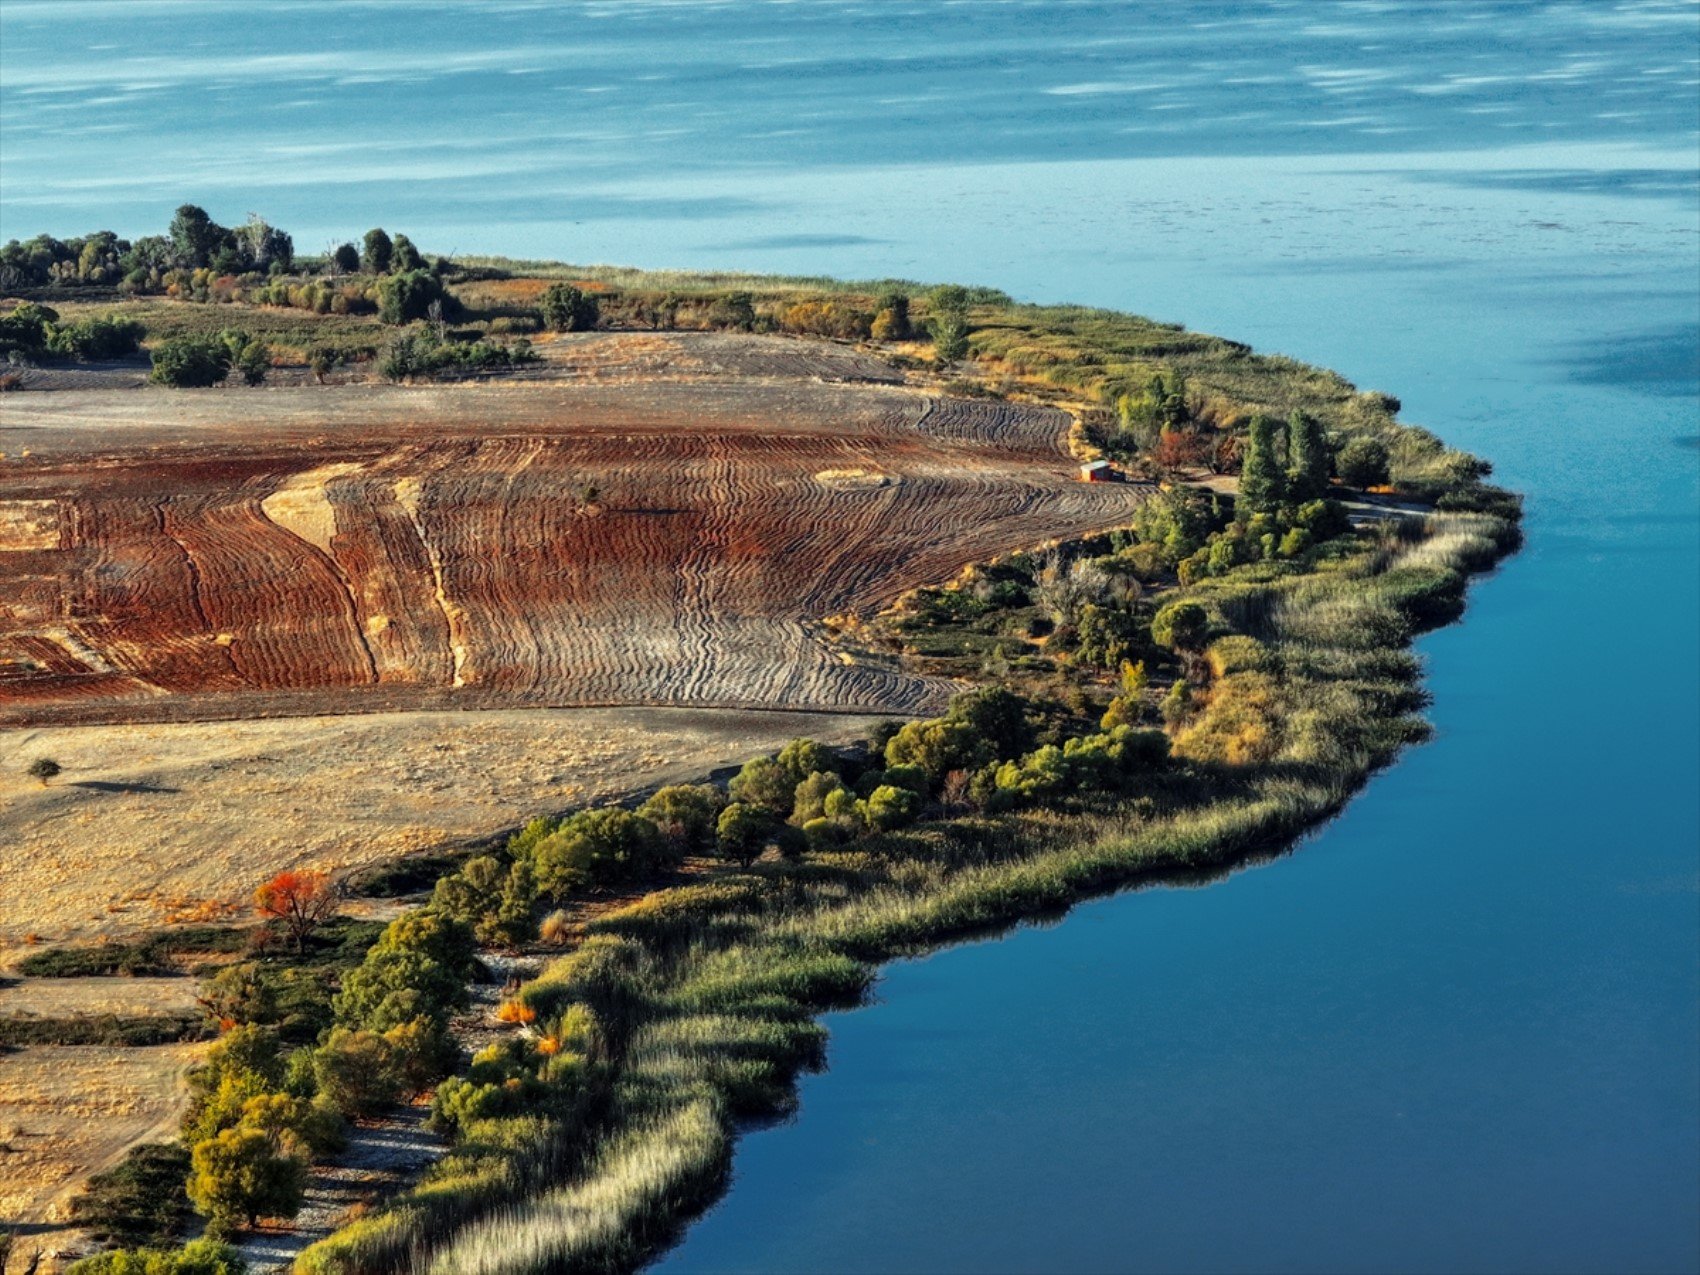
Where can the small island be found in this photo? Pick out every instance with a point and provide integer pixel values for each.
(712, 638)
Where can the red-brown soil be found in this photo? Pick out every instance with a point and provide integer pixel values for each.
(304, 549)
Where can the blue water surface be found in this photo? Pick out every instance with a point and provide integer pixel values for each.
(1458, 1030)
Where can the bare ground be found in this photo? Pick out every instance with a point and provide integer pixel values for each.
(181, 821)
(67, 1112)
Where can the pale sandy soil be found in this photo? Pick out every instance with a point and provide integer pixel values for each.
(181, 821)
(69, 1112)
(91, 997)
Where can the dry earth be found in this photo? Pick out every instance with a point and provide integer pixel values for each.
(181, 820)
(69, 1112)
(192, 555)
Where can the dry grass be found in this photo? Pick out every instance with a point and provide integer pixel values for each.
(157, 823)
(66, 1112)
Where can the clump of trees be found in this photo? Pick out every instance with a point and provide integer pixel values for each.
(424, 355)
(196, 362)
(32, 333)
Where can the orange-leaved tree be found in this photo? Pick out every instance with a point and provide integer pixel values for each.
(302, 901)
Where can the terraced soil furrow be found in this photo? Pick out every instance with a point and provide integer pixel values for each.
(366, 547)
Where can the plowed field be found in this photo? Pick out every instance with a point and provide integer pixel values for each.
(305, 549)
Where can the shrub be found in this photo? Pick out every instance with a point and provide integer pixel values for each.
(764, 782)
(198, 1257)
(1363, 463)
(1180, 626)
(102, 338)
(564, 308)
(190, 362)
(43, 769)
(602, 847)
(139, 1200)
(686, 815)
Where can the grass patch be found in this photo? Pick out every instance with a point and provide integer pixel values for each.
(115, 1030)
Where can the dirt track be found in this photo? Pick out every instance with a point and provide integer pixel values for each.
(231, 553)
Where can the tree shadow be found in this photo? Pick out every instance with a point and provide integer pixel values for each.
(109, 786)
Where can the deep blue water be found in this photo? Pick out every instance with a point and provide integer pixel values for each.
(1458, 1031)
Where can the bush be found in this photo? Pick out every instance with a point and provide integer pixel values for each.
(107, 338)
(686, 816)
(600, 848)
(190, 362)
(765, 783)
(199, 1257)
(1363, 463)
(564, 308)
(1180, 626)
(139, 1200)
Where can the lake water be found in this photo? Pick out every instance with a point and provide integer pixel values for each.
(1458, 1030)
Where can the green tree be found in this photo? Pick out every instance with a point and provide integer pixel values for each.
(950, 323)
(803, 757)
(378, 253)
(1363, 463)
(686, 815)
(248, 355)
(407, 297)
(43, 769)
(346, 258)
(764, 782)
(743, 832)
(938, 747)
(355, 1071)
(1263, 479)
(239, 1176)
(995, 715)
(812, 793)
(565, 308)
(404, 257)
(190, 362)
(598, 848)
(1181, 626)
(195, 237)
(1309, 457)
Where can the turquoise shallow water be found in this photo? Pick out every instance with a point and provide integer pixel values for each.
(1458, 1030)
